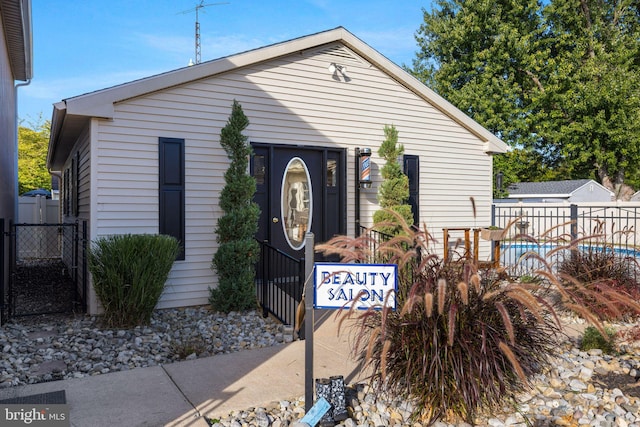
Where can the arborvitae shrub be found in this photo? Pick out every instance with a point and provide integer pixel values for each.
(394, 190)
(234, 261)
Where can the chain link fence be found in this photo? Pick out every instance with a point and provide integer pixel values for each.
(44, 274)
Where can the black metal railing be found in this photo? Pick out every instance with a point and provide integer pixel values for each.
(374, 239)
(541, 228)
(279, 283)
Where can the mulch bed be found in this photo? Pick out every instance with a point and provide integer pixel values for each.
(42, 287)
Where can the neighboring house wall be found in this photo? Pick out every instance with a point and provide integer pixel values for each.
(8, 147)
(8, 153)
(15, 64)
(571, 191)
(591, 192)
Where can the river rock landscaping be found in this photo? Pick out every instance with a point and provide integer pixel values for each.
(582, 388)
(54, 347)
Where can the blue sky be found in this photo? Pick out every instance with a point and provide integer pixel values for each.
(82, 46)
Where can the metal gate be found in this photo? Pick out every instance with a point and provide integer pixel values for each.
(46, 269)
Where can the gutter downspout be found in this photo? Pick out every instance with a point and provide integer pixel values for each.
(15, 97)
(58, 175)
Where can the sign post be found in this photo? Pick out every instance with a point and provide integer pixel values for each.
(338, 286)
(308, 321)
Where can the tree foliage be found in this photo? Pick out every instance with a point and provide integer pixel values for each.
(33, 143)
(238, 251)
(394, 190)
(558, 81)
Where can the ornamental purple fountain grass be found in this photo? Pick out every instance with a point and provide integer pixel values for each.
(463, 339)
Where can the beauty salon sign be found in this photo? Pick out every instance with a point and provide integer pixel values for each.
(359, 285)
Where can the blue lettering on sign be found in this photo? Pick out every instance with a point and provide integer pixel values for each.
(350, 294)
(363, 286)
(348, 278)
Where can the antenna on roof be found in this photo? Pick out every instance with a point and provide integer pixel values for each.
(197, 9)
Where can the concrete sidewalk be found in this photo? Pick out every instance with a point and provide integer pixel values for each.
(180, 394)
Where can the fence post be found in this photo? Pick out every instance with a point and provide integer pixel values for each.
(308, 321)
(13, 254)
(84, 266)
(493, 214)
(75, 251)
(3, 272)
(263, 273)
(574, 222)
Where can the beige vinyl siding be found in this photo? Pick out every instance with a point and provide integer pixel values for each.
(291, 100)
(83, 150)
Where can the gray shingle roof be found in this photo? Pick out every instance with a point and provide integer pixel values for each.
(549, 188)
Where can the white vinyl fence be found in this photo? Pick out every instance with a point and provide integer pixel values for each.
(38, 210)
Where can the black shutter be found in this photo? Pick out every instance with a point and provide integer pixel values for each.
(65, 193)
(75, 183)
(412, 170)
(171, 186)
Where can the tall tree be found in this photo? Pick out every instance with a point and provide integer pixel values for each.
(238, 251)
(33, 142)
(559, 82)
(478, 54)
(591, 102)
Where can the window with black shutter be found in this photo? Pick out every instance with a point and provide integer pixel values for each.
(412, 170)
(171, 187)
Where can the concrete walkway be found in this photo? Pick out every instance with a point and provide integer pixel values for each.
(180, 394)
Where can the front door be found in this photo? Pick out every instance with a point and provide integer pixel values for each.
(299, 189)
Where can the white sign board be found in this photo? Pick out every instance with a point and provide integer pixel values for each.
(359, 285)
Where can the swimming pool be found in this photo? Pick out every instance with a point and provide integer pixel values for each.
(515, 254)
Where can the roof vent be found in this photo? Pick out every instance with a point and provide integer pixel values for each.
(338, 53)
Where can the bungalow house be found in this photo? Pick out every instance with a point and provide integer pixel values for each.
(572, 191)
(145, 156)
(15, 65)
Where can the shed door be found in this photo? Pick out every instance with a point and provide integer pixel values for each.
(299, 189)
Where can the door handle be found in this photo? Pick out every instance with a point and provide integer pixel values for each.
(275, 220)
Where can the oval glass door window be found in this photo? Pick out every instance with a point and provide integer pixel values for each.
(297, 203)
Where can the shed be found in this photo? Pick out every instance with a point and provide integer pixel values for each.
(314, 104)
(572, 191)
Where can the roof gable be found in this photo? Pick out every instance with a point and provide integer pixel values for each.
(71, 114)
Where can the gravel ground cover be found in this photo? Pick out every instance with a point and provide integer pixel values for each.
(53, 347)
(581, 389)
